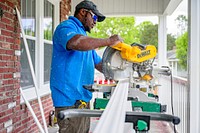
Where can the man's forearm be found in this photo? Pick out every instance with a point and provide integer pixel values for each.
(84, 43)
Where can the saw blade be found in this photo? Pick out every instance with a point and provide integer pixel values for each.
(113, 66)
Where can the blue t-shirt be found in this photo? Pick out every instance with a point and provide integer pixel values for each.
(71, 69)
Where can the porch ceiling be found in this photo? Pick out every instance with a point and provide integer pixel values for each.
(134, 7)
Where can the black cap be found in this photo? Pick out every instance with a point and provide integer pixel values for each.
(86, 4)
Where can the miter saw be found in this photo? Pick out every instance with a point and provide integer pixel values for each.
(134, 62)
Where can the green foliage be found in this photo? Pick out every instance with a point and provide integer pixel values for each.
(182, 46)
(170, 41)
(145, 33)
(148, 33)
(123, 26)
(29, 32)
(182, 40)
(48, 32)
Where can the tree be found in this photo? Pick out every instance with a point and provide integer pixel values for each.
(145, 33)
(48, 32)
(182, 23)
(148, 33)
(182, 40)
(182, 47)
(170, 41)
(123, 26)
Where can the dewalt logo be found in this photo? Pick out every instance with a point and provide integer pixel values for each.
(145, 53)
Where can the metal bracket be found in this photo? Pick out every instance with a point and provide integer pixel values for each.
(134, 119)
(1, 12)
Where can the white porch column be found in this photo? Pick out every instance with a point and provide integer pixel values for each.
(162, 58)
(162, 41)
(194, 65)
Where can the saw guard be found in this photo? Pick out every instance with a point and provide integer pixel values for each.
(113, 66)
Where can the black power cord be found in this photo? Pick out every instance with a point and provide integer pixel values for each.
(1, 12)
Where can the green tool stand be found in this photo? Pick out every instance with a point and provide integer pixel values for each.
(100, 103)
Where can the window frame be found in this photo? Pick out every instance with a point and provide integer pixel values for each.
(43, 88)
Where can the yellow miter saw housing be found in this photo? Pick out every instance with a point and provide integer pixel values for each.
(137, 53)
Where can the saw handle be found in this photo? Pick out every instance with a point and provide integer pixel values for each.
(89, 87)
(139, 45)
(121, 46)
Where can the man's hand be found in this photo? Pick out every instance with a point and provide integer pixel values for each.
(115, 39)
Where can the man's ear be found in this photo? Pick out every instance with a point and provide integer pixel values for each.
(82, 12)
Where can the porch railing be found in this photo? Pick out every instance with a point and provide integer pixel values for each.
(179, 100)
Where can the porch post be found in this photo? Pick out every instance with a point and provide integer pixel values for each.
(194, 65)
(162, 58)
(162, 41)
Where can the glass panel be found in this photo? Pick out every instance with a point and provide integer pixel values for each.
(28, 16)
(48, 20)
(26, 77)
(47, 61)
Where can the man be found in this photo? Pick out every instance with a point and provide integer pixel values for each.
(73, 63)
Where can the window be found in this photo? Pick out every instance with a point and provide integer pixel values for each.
(39, 34)
(47, 61)
(48, 33)
(28, 18)
(48, 20)
(26, 78)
